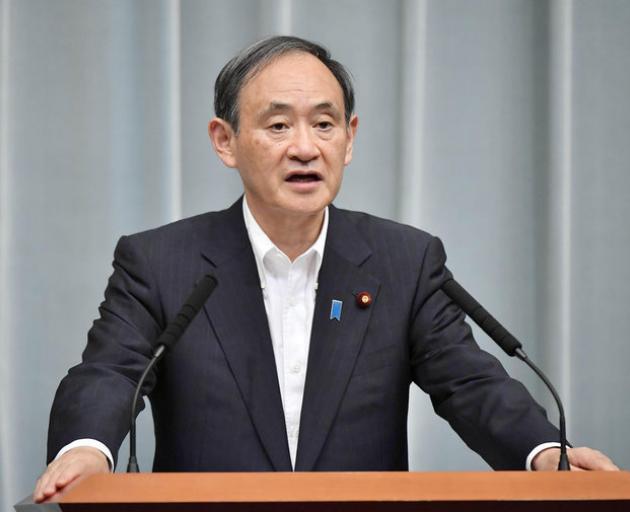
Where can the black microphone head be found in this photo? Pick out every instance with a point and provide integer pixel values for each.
(197, 298)
(204, 287)
(490, 325)
(460, 296)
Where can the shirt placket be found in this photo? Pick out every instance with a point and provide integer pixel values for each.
(294, 323)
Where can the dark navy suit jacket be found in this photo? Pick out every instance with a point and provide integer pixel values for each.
(215, 397)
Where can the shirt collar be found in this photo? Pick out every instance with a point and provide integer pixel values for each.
(262, 245)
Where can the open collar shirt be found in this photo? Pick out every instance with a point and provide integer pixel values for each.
(289, 289)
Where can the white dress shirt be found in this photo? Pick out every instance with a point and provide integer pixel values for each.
(289, 294)
(288, 290)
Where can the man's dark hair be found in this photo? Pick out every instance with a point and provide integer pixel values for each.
(239, 70)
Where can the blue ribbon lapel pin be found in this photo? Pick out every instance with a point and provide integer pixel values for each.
(335, 310)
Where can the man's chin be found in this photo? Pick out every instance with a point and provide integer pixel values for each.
(305, 204)
(291, 205)
(306, 208)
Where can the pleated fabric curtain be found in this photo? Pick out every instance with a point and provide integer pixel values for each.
(500, 126)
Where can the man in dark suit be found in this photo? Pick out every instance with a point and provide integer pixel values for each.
(303, 356)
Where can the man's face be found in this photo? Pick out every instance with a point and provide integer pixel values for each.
(293, 141)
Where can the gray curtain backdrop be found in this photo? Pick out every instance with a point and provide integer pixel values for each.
(503, 126)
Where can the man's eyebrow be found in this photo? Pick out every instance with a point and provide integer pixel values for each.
(327, 105)
(278, 106)
(275, 106)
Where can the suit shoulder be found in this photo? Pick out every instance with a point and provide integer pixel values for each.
(397, 253)
(176, 228)
(378, 228)
(181, 231)
(392, 242)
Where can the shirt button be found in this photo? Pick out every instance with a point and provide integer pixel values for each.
(296, 368)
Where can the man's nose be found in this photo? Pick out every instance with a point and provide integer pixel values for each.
(303, 145)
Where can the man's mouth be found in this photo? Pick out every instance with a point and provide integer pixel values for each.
(303, 177)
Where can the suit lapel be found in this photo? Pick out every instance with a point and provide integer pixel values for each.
(334, 344)
(237, 314)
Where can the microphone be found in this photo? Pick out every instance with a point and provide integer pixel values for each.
(510, 345)
(171, 335)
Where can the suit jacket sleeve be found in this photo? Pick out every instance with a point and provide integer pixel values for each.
(94, 399)
(493, 413)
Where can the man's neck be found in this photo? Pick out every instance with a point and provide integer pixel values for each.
(292, 234)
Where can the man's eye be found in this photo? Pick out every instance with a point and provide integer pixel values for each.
(278, 127)
(324, 125)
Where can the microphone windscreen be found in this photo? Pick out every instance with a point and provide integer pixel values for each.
(191, 307)
(490, 325)
(202, 291)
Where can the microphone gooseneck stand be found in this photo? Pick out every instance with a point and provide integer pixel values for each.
(510, 345)
(167, 339)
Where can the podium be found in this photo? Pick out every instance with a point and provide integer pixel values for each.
(347, 492)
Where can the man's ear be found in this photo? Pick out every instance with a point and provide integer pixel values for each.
(223, 140)
(352, 131)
